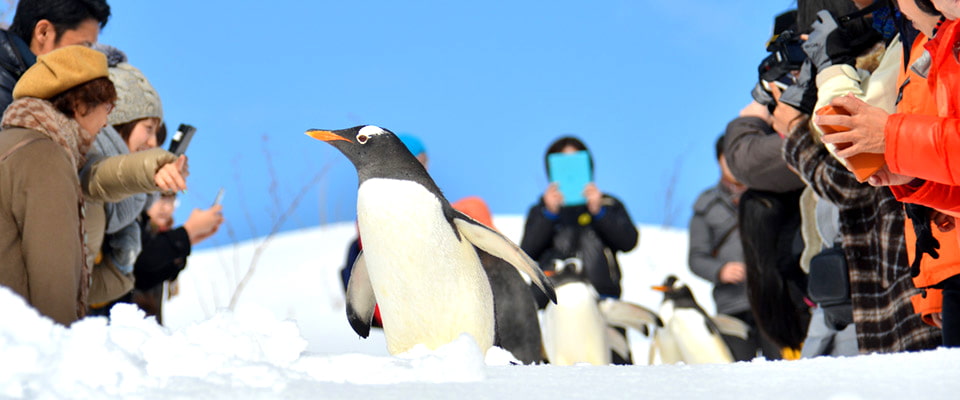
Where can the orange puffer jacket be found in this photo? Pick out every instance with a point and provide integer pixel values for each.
(917, 99)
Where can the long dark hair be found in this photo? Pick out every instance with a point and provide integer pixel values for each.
(770, 230)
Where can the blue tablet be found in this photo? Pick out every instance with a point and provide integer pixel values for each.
(571, 172)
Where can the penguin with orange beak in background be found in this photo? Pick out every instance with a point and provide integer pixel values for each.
(419, 260)
(689, 334)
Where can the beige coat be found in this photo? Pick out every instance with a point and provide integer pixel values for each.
(112, 179)
(40, 247)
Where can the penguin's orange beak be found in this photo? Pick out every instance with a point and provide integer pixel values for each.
(659, 288)
(326, 136)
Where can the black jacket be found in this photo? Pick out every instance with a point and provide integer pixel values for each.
(15, 58)
(577, 233)
(163, 256)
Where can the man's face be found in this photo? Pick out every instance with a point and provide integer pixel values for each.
(861, 4)
(46, 39)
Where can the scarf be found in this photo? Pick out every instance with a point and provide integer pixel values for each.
(40, 115)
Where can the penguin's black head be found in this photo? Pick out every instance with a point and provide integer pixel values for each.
(374, 151)
(567, 271)
(674, 289)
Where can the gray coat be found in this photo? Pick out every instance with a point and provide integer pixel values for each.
(754, 154)
(714, 241)
(122, 230)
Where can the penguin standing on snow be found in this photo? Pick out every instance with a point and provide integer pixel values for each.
(689, 334)
(418, 261)
(579, 327)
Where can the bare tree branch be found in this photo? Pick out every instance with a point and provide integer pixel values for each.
(276, 228)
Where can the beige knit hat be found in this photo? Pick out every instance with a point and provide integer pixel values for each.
(136, 97)
(59, 70)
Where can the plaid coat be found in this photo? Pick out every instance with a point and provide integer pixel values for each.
(871, 224)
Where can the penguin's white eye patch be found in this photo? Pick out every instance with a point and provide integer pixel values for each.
(362, 138)
(371, 130)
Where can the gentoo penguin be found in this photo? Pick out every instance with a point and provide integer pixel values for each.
(517, 325)
(578, 328)
(418, 262)
(689, 334)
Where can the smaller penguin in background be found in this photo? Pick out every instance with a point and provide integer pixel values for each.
(689, 334)
(579, 327)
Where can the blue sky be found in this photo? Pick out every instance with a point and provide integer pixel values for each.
(648, 85)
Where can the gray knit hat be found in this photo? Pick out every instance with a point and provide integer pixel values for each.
(136, 97)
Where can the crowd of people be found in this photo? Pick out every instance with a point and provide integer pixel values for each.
(831, 230)
(847, 219)
(85, 189)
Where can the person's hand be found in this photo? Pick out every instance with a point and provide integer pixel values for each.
(784, 116)
(758, 110)
(866, 125)
(937, 319)
(943, 222)
(553, 198)
(594, 198)
(884, 177)
(830, 43)
(733, 272)
(802, 95)
(172, 177)
(203, 223)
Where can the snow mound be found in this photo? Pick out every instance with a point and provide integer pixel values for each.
(133, 354)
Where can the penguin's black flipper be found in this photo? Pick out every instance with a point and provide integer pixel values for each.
(628, 315)
(361, 301)
(500, 246)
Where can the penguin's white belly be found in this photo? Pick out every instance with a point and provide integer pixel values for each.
(574, 330)
(697, 344)
(430, 287)
(664, 346)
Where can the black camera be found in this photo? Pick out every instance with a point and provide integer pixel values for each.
(786, 54)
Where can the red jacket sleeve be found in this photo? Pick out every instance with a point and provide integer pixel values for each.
(942, 197)
(922, 146)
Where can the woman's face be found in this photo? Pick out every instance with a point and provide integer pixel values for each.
(92, 120)
(144, 135)
(949, 8)
(161, 211)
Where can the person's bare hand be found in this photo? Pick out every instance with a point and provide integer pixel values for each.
(884, 177)
(937, 319)
(866, 125)
(943, 222)
(594, 198)
(733, 272)
(172, 177)
(203, 223)
(758, 110)
(553, 198)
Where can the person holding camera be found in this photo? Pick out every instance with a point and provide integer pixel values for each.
(915, 143)
(593, 231)
(871, 220)
(122, 168)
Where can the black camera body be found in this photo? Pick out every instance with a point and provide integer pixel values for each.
(181, 139)
(786, 54)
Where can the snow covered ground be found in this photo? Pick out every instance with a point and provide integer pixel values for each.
(288, 339)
